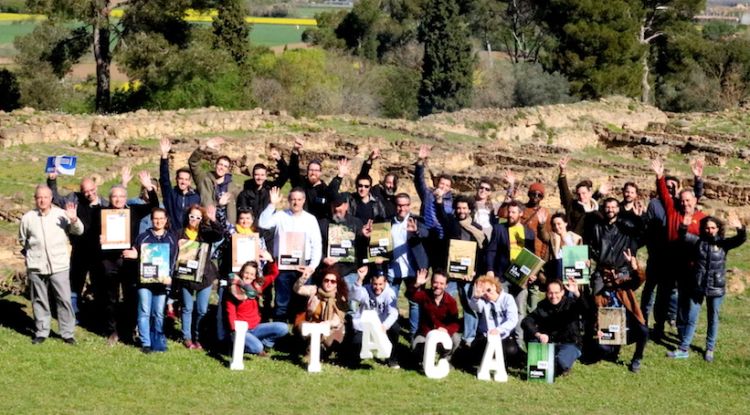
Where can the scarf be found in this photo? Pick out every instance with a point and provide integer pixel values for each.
(478, 234)
(327, 307)
(191, 234)
(243, 231)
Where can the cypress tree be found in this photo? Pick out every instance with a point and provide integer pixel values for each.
(231, 30)
(448, 62)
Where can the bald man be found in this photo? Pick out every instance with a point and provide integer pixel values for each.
(43, 235)
(86, 243)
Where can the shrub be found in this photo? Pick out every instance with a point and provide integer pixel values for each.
(10, 94)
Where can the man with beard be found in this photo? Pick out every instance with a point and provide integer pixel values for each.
(254, 195)
(437, 311)
(460, 226)
(317, 193)
(364, 205)
(385, 191)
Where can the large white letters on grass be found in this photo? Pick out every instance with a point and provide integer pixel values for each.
(374, 337)
(240, 329)
(315, 331)
(493, 360)
(441, 369)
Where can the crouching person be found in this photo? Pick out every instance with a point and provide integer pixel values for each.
(497, 314)
(242, 305)
(328, 301)
(557, 320)
(377, 296)
(437, 311)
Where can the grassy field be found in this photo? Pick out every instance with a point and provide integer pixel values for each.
(94, 378)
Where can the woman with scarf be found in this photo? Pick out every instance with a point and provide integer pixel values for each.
(242, 305)
(328, 301)
(201, 227)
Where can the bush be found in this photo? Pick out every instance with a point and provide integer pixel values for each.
(534, 86)
(690, 90)
(494, 86)
(10, 94)
(397, 89)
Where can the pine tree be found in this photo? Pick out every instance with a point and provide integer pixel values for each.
(448, 63)
(231, 29)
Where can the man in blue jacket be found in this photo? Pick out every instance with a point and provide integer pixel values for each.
(437, 245)
(177, 199)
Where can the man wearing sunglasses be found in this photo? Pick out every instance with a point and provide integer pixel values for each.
(364, 205)
(385, 191)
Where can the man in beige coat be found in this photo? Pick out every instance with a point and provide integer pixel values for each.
(43, 234)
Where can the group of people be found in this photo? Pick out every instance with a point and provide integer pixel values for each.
(339, 268)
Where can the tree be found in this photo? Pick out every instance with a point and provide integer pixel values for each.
(95, 15)
(231, 30)
(359, 28)
(9, 92)
(511, 24)
(448, 62)
(597, 44)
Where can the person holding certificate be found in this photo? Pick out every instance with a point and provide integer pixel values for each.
(298, 244)
(117, 224)
(155, 277)
(202, 228)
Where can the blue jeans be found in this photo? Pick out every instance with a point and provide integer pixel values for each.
(150, 315)
(283, 285)
(350, 280)
(464, 290)
(201, 301)
(413, 307)
(221, 331)
(566, 355)
(689, 309)
(264, 335)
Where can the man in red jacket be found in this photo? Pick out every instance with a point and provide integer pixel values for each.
(437, 311)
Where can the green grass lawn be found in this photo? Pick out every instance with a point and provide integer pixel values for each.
(93, 378)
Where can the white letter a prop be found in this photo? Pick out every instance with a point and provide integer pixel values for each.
(493, 360)
(374, 337)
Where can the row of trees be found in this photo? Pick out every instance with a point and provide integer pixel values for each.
(398, 58)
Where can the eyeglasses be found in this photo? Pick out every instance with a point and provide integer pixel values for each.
(329, 281)
(485, 188)
(404, 205)
(363, 186)
(312, 169)
(193, 217)
(536, 194)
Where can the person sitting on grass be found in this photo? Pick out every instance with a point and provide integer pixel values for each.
(152, 295)
(557, 320)
(328, 301)
(437, 311)
(242, 305)
(378, 296)
(497, 314)
(708, 280)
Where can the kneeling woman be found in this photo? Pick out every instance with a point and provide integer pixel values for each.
(152, 288)
(497, 314)
(327, 302)
(708, 281)
(242, 305)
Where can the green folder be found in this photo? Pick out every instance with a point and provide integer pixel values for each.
(525, 265)
(540, 365)
(574, 263)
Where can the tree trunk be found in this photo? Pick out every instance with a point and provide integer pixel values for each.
(103, 59)
(489, 53)
(645, 86)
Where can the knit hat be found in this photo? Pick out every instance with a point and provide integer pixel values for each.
(537, 187)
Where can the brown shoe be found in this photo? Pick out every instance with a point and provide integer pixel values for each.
(113, 339)
(188, 344)
(263, 353)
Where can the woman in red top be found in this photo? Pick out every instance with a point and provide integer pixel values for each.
(242, 305)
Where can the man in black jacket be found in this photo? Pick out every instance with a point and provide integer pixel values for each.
(385, 191)
(556, 320)
(344, 244)
(254, 195)
(317, 193)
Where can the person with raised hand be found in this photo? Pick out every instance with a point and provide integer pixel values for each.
(317, 193)
(384, 191)
(288, 224)
(214, 184)
(557, 320)
(177, 198)
(497, 314)
(437, 311)
(43, 235)
(580, 208)
(437, 245)
(706, 281)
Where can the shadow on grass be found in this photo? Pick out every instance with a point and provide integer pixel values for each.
(13, 316)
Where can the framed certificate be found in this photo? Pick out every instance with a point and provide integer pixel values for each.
(341, 243)
(461, 259)
(191, 261)
(115, 229)
(381, 242)
(291, 250)
(155, 266)
(244, 248)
